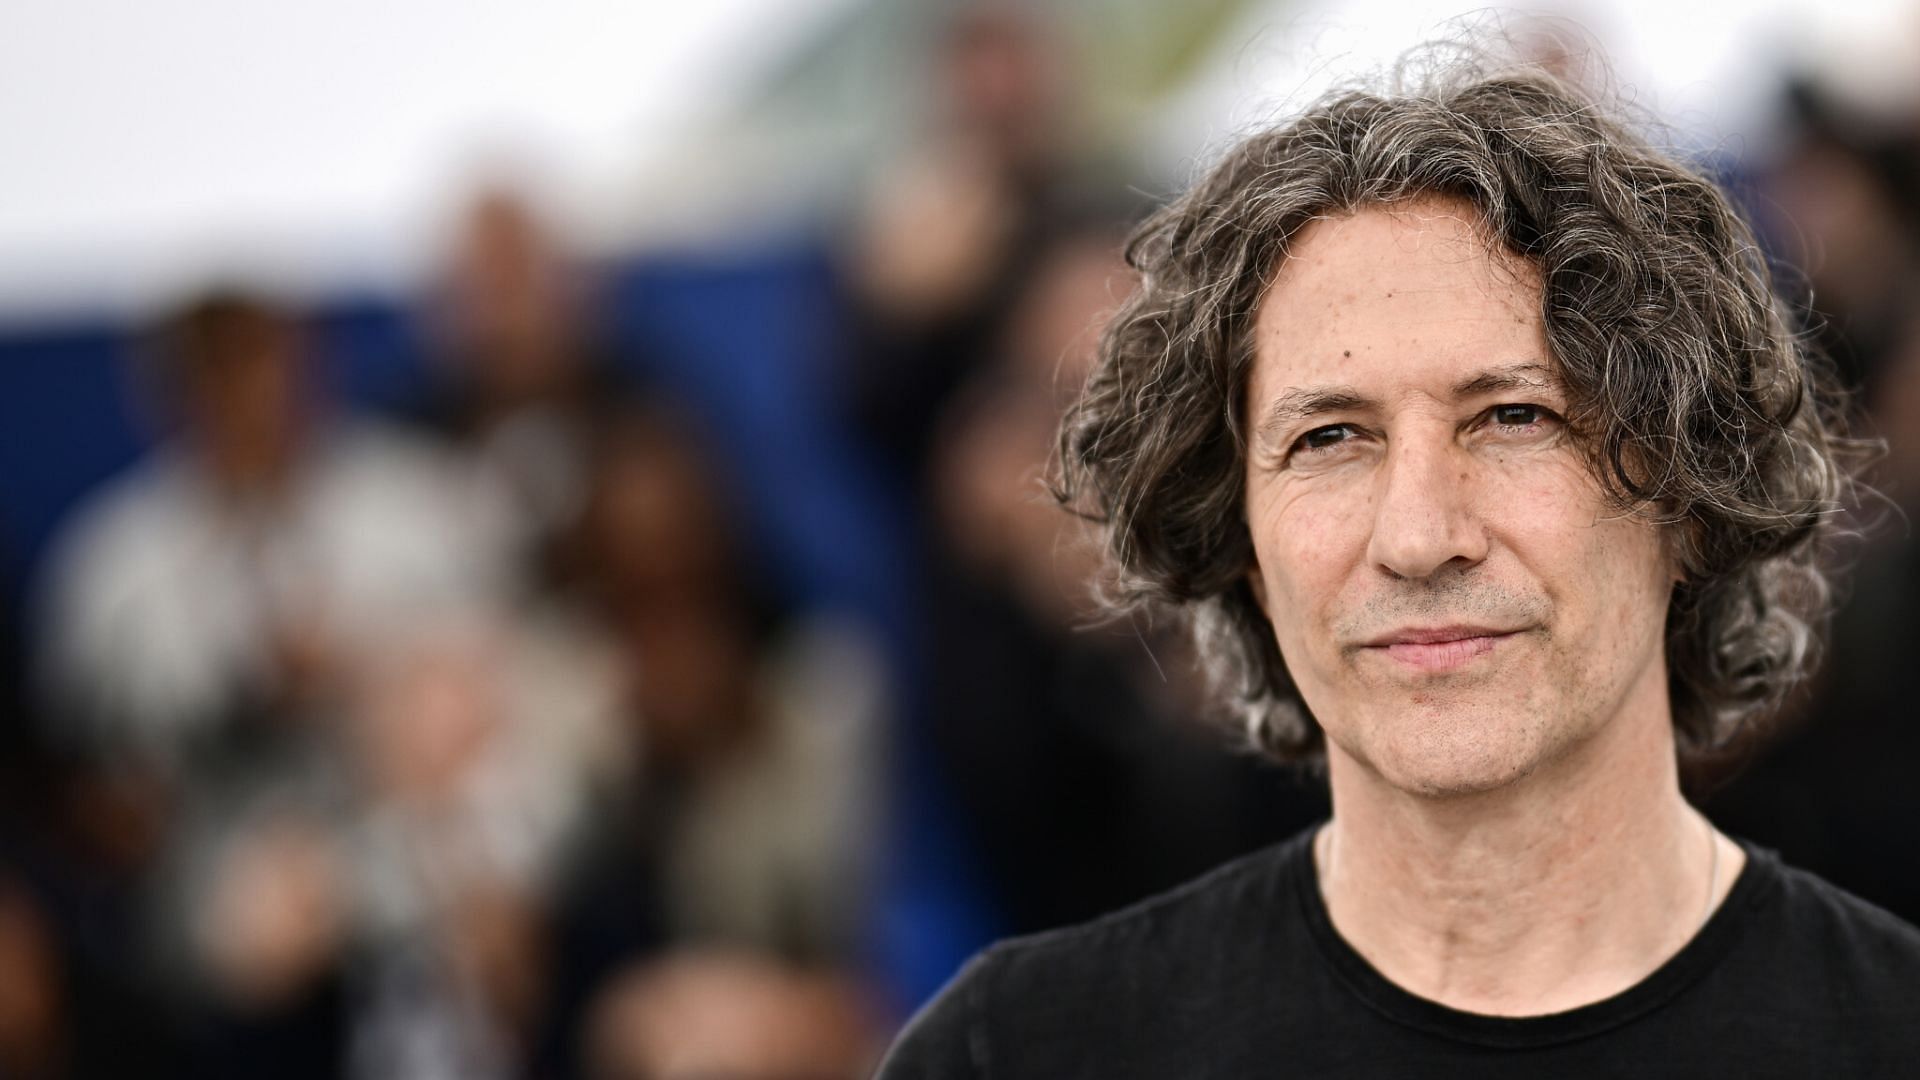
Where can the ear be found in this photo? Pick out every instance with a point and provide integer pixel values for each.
(1671, 548)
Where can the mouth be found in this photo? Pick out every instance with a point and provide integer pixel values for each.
(1438, 649)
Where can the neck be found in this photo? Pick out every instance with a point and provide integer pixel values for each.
(1558, 890)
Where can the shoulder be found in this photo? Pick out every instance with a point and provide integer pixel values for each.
(1818, 962)
(947, 1038)
(125, 527)
(1852, 942)
(153, 487)
(1133, 977)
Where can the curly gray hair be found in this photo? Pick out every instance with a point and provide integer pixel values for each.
(1696, 401)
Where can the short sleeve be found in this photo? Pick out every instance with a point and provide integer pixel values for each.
(947, 1038)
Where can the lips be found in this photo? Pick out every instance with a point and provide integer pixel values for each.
(1437, 649)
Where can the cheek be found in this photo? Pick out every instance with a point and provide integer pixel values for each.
(1636, 572)
(1308, 545)
(1612, 569)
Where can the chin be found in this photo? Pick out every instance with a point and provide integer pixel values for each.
(1447, 753)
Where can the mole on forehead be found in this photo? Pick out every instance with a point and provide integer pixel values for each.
(1361, 303)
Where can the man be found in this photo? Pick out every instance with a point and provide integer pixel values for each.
(1468, 433)
(223, 583)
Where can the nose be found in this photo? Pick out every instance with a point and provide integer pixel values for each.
(1425, 519)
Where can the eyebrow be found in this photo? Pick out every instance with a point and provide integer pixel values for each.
(1530, 375)
(1304, 402)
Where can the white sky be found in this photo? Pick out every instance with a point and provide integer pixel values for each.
(151, 143)
(1708, 67)
(147, 142)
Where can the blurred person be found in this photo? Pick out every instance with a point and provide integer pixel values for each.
(380, 907)
(951, 238)
(383, 908)
(1839, 200)
(1831, 790)
(1465, 430)
(480, 748)
(751, 726)
(948, 241)
(992, 444)
(205, 617)
(750, 737)
(729, 1013)
(519, 373)
(205, 596)
(1081, 779)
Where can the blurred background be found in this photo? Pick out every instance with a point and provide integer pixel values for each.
(521, 543)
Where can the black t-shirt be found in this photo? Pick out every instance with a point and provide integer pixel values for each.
(1240, 974)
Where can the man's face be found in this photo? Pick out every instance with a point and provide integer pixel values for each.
(1454, 597)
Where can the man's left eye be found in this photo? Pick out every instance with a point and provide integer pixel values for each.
(1518, 415)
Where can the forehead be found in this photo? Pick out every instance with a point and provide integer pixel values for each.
(1405, 294)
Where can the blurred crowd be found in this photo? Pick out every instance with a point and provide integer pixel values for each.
(471, 738)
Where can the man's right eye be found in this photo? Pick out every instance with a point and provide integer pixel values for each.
(1323, 438)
